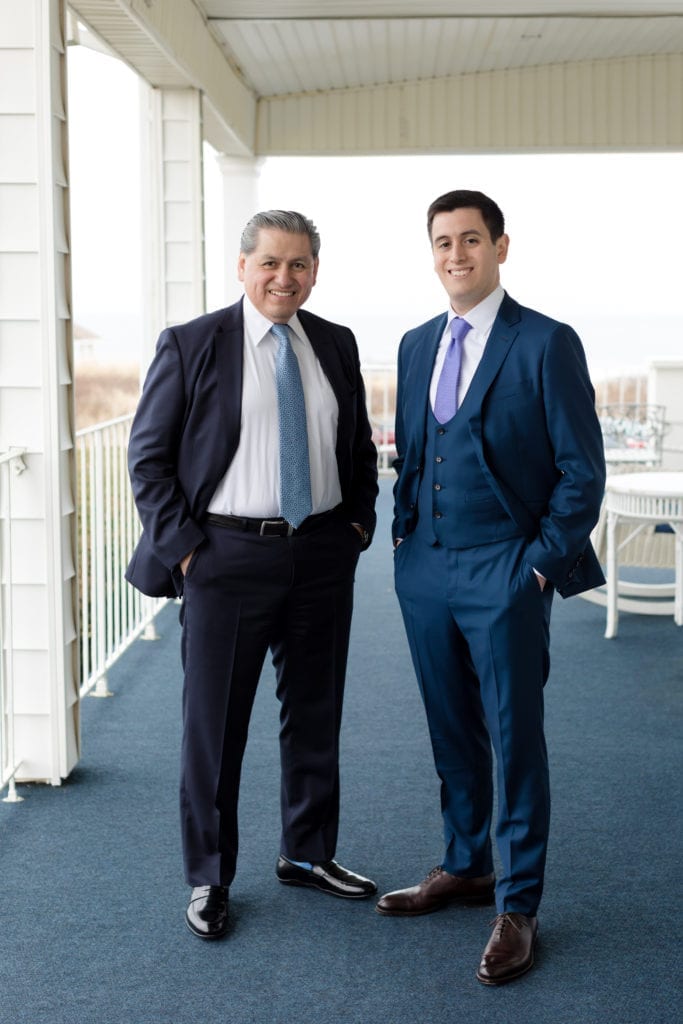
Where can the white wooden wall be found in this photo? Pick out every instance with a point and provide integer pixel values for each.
(173, 210)
(35, 383)
(625, 104)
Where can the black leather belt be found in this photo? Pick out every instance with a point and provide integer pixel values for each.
(268, 527)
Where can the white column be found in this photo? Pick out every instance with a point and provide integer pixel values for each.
(665, 387)
(240, 199)
(173, 211)
(36, 395)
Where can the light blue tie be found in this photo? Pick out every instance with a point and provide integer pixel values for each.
(446, 401)
(295, 473)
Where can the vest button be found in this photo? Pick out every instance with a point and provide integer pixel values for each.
(437, 487)
(439, 458)
(441, 431)
(438, 515)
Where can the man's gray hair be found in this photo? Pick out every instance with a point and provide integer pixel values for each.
(280, 220)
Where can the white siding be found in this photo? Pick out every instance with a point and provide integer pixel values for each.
(36, 387)
(173, 209)
(624, 104)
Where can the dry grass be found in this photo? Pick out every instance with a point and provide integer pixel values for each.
(105, 392)
(623, 391)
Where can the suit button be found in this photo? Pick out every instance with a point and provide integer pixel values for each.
(441, 431)
(437, 487)
(439, 458)
(438, 515)
(411, 507)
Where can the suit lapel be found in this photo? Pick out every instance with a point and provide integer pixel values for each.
(503, 333)
(421, 371)
(327, 354)
(229, 342)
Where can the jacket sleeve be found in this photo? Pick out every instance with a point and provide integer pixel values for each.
(363, 490)
(153, 456)
(576, 441)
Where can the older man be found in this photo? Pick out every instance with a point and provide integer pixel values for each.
(255, 479)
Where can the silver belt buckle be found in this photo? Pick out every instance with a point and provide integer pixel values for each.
(275, 522)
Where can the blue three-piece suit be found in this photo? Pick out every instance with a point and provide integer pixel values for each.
(512, 484)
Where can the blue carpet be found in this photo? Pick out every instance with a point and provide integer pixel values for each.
(92, 930)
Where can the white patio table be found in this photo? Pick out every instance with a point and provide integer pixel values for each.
(642, 499)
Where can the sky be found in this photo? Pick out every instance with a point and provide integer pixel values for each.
(595, 238)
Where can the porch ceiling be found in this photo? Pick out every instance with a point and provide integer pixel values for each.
(246, 55)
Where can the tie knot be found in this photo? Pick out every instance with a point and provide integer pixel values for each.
(459, 328)
(280, 331)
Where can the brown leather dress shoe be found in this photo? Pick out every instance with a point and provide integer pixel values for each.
(510, 950)
(437, 890)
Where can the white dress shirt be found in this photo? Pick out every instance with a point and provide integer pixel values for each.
(481, 318)
(251, 485)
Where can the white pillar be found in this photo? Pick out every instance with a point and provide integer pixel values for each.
(240, 199)
(665, 387)
(173, 211)
(36, 395)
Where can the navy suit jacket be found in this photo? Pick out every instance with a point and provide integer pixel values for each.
(187, 428)
(535, 432)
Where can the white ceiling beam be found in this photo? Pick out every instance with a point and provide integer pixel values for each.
(284, 10)
(170, 44)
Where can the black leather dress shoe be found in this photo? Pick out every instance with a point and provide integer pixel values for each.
(207, 914)
(510, 950)
(327, 876)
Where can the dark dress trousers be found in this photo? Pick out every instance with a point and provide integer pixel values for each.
(511, 484)
(245, 593)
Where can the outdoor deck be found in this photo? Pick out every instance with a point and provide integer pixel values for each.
(93, 902)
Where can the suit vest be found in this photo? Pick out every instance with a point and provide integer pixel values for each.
(456, 506)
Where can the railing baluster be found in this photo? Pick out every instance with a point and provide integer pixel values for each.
(112, 613)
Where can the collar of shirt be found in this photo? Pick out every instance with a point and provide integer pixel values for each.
(257, 326)
(481, 317)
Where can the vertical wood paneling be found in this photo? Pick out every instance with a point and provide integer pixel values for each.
(622, 104)
(36, 398)
(175, 218)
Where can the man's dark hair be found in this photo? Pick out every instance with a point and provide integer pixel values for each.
(491, 213)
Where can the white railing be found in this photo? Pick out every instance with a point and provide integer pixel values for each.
(632, 433)
(11, 464)
(112, 613)
(380, 392)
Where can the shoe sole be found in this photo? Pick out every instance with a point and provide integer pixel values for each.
(479, 901)
(207, 938)
(328, 892)
(509, 977)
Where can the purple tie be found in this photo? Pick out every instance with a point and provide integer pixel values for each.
(446, 401)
